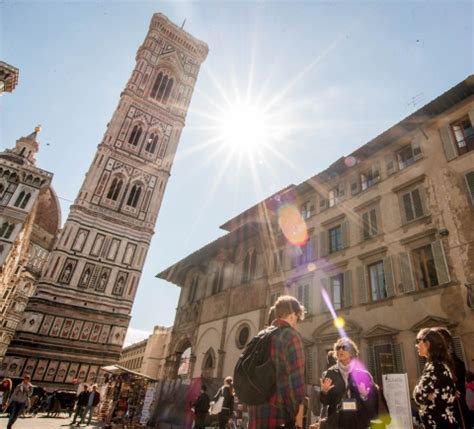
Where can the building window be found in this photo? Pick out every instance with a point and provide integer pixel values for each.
(303, 295)
(384, 358)
(242, 337)
(135, 135)
(408, 155)
(412, 205)
(249, 266)
(335, 196)
(218, 281)
(470, 185)
(162, 88)
(424, 267)
(307, 210)
(378, 288)
(22, 200)
(114, 189)
(369, 179)
(151, 143)
(463, 132)
(335, 239)
(6, 230)
(336, 290)
(278, 260)
(134, 196)
(369, 224)
(193, 290)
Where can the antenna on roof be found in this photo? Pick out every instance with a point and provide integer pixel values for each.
(184, 22)
(416, 99)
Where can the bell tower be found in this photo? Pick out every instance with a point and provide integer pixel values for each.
(77, 320)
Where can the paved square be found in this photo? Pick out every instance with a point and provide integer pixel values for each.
(41, 422)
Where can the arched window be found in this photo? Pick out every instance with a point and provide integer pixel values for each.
(162, 88)
(3, 228)
(135, 135)
(9, 231)
(19, 199)
(151, 143)
(249, 267)
(2, 188)
(114, 189)
(134, 196)
(25, 201)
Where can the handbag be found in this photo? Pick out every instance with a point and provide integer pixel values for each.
(216, 406)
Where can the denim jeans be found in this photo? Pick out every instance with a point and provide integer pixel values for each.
(15, 410)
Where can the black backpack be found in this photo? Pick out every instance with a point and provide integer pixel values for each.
(254, 373)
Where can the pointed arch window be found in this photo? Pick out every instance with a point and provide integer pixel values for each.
(135, 135)
(152, 143)
(162, 87)
(22, 199)
(134, 196)
(114, 189)
(6, 229)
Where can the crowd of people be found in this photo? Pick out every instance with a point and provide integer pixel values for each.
(349, 396)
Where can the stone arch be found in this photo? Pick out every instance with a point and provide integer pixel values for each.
(232, 332)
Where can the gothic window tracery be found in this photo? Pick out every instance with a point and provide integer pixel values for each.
(162, 87)
(6, 229)
(135, 135)
(22, 199)
(114, 189)
(134, 196)
(152, 143)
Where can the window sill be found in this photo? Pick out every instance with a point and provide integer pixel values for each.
(380, 303)
(434, 290)
(426, 219)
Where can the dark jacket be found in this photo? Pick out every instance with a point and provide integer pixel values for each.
(96, 399)
(366, 409)
(228, 404)
(201, 406)
(461, 411)
(82, 398)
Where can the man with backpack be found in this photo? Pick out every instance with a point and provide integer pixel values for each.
(285, 407)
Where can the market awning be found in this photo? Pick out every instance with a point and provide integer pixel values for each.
(117, 369)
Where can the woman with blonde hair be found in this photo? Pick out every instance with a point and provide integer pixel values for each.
(435, 392)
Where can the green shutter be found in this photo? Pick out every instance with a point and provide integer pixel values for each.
(361, 284)
(440, 262)
(397, 350)
(347, 289)
(409, 216)
(389, 276)
(323, 243)
(365, 226)
(324, 285)
(417, 204)
(373, 222)
(345, 234)
(406, 274)
(448, 143)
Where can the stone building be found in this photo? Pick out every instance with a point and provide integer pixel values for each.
(29, 222)
(386, 234)
(77, 320)
(148, 357)
(8, 77)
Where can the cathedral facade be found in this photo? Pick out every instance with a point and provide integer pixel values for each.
(77, 320)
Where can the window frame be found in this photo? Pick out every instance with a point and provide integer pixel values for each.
(467, 140)
(339, 240)
(380, 292)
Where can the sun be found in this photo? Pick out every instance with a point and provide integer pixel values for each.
(244, 127)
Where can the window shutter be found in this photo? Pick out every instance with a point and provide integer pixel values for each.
(361, 284)
(345, 234)
(448, 143)
(458, 348)
(371, 359)
(314, 247)
(440, 262)
(471, 117)
(470, 184)
(416, 149)
(398, 358)
(417, 204)
(408, 212)
(355, 185)
(323, 244)
(389, 277)
(323, 204)
(373, 222)
(365, 226)
(347, 289)
(390, 165)
(406, 274)
(376, 172)
(324, 285)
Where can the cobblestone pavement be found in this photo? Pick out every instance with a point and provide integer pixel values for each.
(41, 422)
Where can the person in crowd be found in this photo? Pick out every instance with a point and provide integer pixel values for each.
(285, 408)
(81, 403)
(19, 400)
(461, 410)
(435, 393)
(5, 391)
(201, 408)
(470, 394)
(348, 390)
(227, 390)
(331, 358)
(92, 402)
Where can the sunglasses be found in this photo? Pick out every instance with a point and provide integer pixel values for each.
(345, 348)
(419, 340)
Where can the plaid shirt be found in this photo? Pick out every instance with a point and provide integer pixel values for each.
(288, 357)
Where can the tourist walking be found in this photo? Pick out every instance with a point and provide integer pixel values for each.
(81, 404)
(92, 402)
(227, 391)
(285, 408)
(201, 409)
(19, 400)
(435, 392)
(348, 390)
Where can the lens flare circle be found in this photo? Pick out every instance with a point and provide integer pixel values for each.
(339, 322)
(292, 225)
(311, 267)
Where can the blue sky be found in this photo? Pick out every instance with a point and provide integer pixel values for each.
(331, 74)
